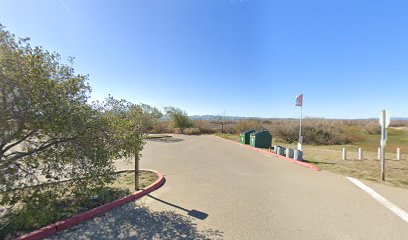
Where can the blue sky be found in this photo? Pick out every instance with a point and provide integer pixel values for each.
(247, 58)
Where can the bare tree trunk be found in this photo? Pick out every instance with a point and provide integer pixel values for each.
(137, 171)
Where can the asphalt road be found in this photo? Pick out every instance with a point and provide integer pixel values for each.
(219, 190)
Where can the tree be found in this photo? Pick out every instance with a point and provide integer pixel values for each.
(179, 118)
(221, 119)
(49, 130)
(150, 117)
(130, 123)
(45, 121)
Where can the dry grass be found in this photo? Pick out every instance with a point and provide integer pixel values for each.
(127, 180)
(325, 138)
(329, 157)
(367, 137)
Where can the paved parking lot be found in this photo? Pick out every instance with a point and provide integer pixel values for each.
(219, 190)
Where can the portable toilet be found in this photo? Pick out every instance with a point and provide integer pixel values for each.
(262, 139)
(245, 135)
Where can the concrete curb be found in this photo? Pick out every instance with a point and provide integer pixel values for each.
(76, 219)
(304, 164)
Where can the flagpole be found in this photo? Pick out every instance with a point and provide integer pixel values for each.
(300, 129)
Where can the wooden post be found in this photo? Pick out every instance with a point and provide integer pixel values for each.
(379, 154)
(344, 154)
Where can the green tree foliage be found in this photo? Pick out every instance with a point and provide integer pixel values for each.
(50, 132)
(130, 123)
(179, 118)
(46, 123)
(150, 117)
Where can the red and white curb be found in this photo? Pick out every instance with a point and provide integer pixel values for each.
(304, 164)
(79, 218)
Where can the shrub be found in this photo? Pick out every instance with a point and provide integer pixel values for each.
(316, 132)
(205, 127)
(179, 118)
(247, 124)
(162, 127)
(192, 131)
(372, 129)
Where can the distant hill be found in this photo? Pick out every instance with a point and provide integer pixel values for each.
(400, 118)
(208, 117)
(212, 117)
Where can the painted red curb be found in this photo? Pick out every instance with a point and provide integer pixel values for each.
(304, 164)
(76, 219)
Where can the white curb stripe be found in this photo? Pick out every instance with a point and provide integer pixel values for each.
(391, 206)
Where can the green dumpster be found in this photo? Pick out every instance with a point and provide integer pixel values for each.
(262, 139)
(245, 135)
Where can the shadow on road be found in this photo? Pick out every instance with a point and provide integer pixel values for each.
(317, 162)
(193, 213)
(165, 139)
(138, 222)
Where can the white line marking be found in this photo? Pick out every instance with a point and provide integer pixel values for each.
(391, 206)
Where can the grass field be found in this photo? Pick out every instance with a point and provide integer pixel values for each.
(329, 157)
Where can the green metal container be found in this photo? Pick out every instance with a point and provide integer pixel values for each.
(245, 135)
(262, 139)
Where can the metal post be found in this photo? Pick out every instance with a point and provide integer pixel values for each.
(344, 154)
(383, 135)
(398, 154)
(139, 132)
(137, 171)
(360, 154)
(300, 141)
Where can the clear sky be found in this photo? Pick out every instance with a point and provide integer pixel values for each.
(245, 57)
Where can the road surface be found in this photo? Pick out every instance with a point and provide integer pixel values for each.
(216, 189)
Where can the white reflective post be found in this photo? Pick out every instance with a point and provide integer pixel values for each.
(360, 154)
(344, 154)
(398, 154)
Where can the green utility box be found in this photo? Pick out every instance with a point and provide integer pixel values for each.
(245, 135)
(262, 139)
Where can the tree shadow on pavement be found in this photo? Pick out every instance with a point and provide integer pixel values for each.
(317, 162)
(194, 213)
(138, 222)
(165, 139)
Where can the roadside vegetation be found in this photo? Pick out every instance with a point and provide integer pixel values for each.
(51, 132)
(48, 209)
(324, 140)
(363, 134)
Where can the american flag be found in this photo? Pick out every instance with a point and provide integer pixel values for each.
(299, 100)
